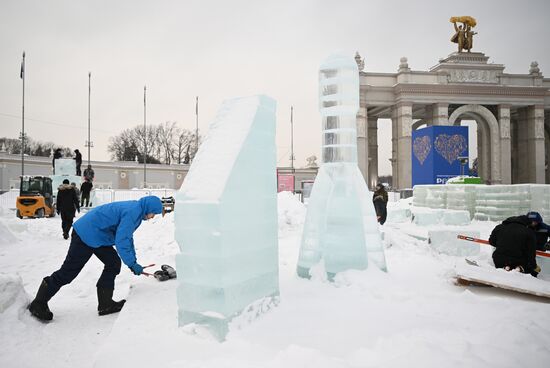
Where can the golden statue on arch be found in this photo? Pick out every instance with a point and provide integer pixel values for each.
(464, 36)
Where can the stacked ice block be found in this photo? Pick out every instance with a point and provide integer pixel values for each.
(486, 202)
(65, 166)
(341, 227)
(226, 217)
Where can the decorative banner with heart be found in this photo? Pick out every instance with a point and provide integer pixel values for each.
(450, 147)
(422, 147)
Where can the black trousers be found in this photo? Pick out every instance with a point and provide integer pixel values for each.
(78, 255)
(84, 196)
(78, 172)
(66, 222)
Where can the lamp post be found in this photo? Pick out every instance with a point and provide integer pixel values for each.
(89, 143)
(145, 136)
(292, 145)
(22, 75)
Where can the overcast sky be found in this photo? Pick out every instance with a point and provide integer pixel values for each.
(222, 49)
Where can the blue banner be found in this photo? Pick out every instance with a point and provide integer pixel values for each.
(435, 153)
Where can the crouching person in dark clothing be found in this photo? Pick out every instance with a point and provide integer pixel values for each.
(515, 245)
(96, 233)
(66, 206)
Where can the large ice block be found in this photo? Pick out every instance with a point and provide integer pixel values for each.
(226, 218)
(341, 227)
(65, 166)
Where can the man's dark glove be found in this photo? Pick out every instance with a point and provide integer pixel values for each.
(136, 268)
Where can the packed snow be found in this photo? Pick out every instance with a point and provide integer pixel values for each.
(412, 316)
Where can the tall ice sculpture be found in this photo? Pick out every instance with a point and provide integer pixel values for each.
(341, 228)
(226, 218)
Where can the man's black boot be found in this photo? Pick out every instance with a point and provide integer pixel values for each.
(106, 304)
(39, 306)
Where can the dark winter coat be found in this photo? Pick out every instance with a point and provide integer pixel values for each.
(515, 244)
(86, 188)
(380, 201)
(542, 233)
(67, 200)
(89, 174)
(57, 154)
(115, 223)
(78, 158)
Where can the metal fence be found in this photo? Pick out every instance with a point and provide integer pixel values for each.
(99, 196)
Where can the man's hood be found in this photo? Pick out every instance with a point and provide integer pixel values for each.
(150, 204)
(522, 220)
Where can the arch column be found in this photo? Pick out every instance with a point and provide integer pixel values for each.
(440, 114)
(505, 144)
(401, 142)
(362, 152)
(535, 144)
(372, 160)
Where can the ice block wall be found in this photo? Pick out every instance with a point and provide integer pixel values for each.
(486, 202)
(341, 229)
(226, 218)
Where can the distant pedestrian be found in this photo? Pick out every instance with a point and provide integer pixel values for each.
(78, 159)
(380, 201)
(89, 173)
(515, 245)
(57, 154)
(85, 190)
(66, 206)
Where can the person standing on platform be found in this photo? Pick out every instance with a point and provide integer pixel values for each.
(57, 154)
(66, 206)
(78, 159)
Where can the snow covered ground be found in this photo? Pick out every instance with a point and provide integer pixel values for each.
(412, 316)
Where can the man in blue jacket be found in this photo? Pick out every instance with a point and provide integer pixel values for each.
(96, 233)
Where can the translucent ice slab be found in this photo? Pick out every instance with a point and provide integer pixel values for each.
(226, 217)
(446, 242)
(65, 166)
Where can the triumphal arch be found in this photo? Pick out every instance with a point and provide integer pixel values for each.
(512, 112)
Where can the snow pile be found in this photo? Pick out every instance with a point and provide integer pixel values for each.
(13, 298)
(291, 212)
(6, 236)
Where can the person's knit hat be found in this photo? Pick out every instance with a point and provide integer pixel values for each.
(534, 216)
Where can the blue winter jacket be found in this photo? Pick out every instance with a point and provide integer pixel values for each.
(115, 223)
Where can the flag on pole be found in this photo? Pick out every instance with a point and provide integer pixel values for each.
(22, 74)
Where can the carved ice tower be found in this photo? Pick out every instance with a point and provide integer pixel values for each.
(341, 228)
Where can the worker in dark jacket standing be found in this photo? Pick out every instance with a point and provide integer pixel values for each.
(85, 190)
(57, 154)
(515, 245)
(78, 159)
(66, 206)
(380, 201)
(95, 233)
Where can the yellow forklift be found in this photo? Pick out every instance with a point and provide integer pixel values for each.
(35, 197)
